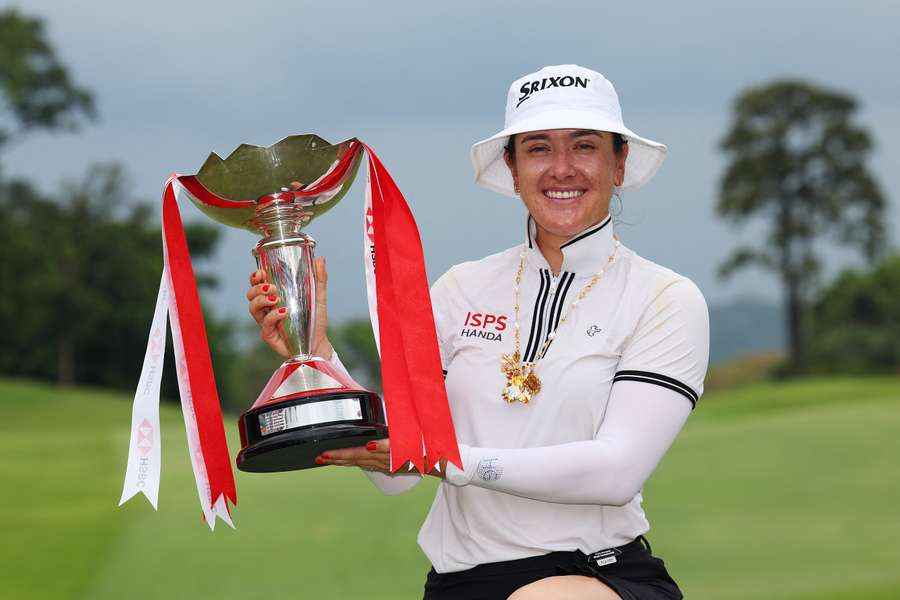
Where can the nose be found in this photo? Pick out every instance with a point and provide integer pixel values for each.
(562, 166)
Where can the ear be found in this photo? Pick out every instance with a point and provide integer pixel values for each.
(512, 167)
(620, 166)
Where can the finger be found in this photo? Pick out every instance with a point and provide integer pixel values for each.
(296, 185)
(261, 307)
(382, 445)
(259, 289)
(321, 274)
(344, 454)
(258, 277)
(268, 326)
(368, 465)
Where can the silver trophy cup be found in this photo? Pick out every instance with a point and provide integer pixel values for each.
(308, 406)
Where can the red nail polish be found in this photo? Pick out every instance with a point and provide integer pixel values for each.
(265, 288)
(320, 460)
(282, 310)
(272, 298)
(371, 446)
(326, 456)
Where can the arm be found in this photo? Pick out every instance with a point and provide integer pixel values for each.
(640, 425)
(659, 378)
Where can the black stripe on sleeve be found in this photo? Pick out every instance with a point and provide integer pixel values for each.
(535, 321)
(661, 380)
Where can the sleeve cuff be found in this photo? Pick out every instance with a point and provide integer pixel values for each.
(661, 380)
(455, 475)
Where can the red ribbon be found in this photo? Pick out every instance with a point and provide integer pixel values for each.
(415, 396)
(204, 397)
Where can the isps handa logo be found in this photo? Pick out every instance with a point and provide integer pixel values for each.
(484, 325)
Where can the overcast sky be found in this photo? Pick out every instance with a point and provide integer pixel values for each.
(421, 81)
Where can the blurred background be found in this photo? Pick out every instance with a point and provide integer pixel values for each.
(779, 198)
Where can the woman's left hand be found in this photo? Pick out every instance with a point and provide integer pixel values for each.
(374, 456)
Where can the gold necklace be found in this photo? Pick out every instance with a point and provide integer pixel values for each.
(522, 382)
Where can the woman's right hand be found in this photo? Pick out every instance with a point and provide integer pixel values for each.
(263, 298)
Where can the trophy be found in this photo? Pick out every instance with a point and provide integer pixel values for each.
(308, 406)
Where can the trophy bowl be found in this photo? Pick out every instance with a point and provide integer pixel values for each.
(308, 406)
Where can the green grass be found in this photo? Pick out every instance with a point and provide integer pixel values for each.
(773, 491)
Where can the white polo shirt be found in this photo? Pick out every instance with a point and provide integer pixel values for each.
(640, 323)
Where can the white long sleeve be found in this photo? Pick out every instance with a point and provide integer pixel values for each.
(641, 422)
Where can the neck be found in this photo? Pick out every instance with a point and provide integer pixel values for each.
(549, 243)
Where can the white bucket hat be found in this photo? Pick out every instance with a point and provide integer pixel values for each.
(563, 97)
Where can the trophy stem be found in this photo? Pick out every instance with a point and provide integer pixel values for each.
(286, 255)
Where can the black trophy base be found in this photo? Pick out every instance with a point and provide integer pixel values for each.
(297, 448)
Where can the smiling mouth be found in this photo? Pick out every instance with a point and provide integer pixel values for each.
(563, 195)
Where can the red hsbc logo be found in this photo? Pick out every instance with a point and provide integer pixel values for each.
(145, 439)
(156, 344)
(370, 225)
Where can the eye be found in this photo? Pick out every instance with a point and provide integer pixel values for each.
(584, 146)
(537, 149)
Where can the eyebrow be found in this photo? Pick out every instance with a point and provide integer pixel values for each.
(575, 134)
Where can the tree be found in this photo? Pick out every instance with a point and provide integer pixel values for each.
(798, 162)
(83, 271)
(857, 322)
(36, 91)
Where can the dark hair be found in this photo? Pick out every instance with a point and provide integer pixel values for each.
(619, 142)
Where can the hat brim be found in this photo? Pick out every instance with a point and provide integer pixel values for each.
(644, 155)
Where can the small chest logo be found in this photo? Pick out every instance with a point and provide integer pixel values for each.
(593, 330)
(484, 325)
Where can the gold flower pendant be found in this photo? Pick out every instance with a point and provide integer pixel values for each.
(521, 382)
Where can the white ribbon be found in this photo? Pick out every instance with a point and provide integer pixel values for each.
(369, 260)
(143, 471)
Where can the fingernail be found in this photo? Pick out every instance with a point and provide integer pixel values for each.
(326, 456)
(272, 298)
(266, 288)
(320, 460)
(282, 310)
(371, 446)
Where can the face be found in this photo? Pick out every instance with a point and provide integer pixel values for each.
(566, 178)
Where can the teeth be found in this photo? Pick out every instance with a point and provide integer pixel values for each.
(563, 195)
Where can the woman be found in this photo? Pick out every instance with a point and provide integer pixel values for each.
(571, 365)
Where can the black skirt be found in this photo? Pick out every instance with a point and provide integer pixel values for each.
(631, 570)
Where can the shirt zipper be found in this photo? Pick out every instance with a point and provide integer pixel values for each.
(554, 282)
